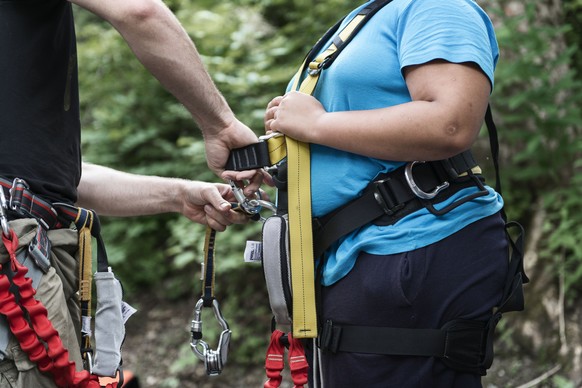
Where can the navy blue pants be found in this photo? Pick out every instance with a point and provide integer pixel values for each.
(461, 276)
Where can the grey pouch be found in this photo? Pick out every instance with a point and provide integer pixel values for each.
(276, 267)
(109, 324)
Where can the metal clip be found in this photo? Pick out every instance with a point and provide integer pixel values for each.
(250, 206)
(417, 190)
(214, 360)
(88, 360)
(16, 195)
(3, 217)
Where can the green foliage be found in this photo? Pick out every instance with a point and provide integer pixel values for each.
(573, 16)
(537, 101)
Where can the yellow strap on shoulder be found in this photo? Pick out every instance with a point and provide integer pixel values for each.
(299, 204)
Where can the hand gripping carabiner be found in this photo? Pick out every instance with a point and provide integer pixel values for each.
(250, 206)
(214, 360)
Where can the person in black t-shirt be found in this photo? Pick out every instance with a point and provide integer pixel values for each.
(40, 144)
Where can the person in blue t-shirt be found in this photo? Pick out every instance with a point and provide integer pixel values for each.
(412, 85)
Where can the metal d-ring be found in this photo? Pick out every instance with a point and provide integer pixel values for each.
(417, 190)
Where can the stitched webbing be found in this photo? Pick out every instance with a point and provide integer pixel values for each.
(208, 276)
(299, 190)
(84, 222)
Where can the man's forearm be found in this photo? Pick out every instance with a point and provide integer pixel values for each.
(115, 193)
(163, 46)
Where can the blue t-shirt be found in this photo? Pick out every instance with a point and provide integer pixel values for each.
(368, 75)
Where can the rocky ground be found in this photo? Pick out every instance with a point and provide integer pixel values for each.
(157, 350)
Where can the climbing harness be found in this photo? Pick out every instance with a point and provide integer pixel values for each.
(34, 327)
(464, 345)
(214, 360)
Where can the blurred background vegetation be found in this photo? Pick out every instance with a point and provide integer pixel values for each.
(251, 48)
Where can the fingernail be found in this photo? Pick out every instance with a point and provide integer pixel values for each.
(225, 205)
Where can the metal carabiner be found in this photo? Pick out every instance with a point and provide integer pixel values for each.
(250, 206)
(214, 360)
(417, 190)
(3, 217)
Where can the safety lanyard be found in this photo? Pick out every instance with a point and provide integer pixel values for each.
(214, 360)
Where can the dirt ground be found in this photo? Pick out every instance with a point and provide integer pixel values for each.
(157, 350)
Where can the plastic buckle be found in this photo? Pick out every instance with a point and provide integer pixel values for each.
(214, 360)
(330, 337)
(384, 199)
(417, 190)
(316, 67)
(39, 248)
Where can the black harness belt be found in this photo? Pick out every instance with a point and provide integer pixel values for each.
(399, 193)
(25, 203)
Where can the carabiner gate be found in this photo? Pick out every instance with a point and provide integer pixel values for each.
(250, 206)
(214, 360)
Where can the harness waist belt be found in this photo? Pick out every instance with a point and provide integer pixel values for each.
(399, 193)
(25, 203)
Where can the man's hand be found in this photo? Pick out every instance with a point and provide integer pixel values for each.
(209, 204)
(218, 147)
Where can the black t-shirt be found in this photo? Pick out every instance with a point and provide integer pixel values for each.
(39, 99)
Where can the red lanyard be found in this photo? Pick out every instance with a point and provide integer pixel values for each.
(53, 358)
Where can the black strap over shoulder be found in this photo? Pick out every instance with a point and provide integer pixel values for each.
(368, 11)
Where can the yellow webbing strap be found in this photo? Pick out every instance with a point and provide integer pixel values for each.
(277, 149)
(84, 222)
(299, 204)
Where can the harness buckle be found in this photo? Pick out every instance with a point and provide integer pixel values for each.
(3, 217)
(314, 68)
(214, 360)
(384, 198)
(16, 194)
(415, 188)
